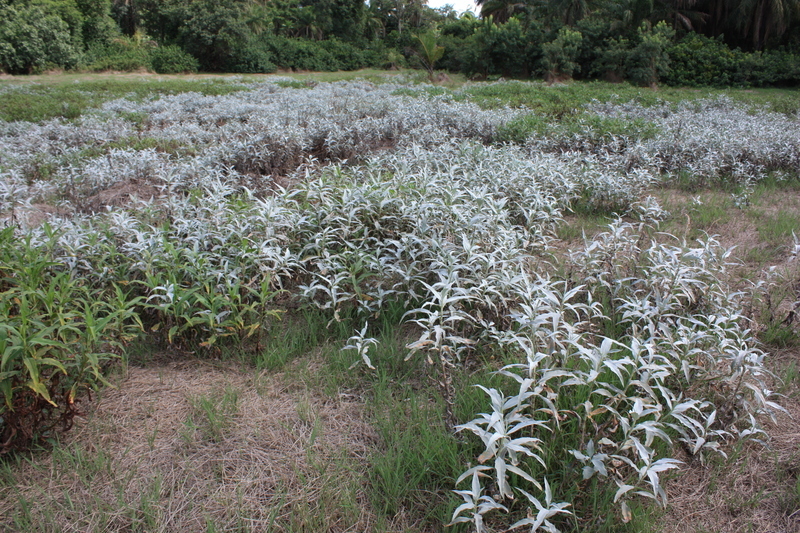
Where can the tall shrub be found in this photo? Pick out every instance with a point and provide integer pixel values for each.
(172, 60)
(34, 39)
(560, 54)
(649, 60)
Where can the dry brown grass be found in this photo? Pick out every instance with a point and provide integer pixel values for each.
(755, 490)
(738, 228)
(287, 458)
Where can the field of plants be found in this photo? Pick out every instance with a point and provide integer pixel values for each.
(279, 304)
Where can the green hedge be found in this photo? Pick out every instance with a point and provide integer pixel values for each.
(172, 60)
(327, 56)
(697, 60)
(120, 54)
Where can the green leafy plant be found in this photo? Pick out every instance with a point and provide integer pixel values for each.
(430, 52)
(56, 337)
(172, 60)
(649, 60)
(559, 55)
(32, 39)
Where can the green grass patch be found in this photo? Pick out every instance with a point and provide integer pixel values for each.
(69, 100)
(429, 92)
(710, 214)
(376, 76)
(780, 336)
(777, 229)
(761, 255)
(702, 214)
(568, 98)
(167, 146)
(785, 101)
(576, 227)
(790, 378)
(594, 128)
(284, 344)
(213, 413)
(417, 460)
(295, 84)
(774, 183)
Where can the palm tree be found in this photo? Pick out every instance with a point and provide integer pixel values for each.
(306, 24)
(568, 11)
(374, 25)
(678, 13)
(628, 15)
(409, 12)
(501, 10)
(758, 20)
(430, 52)
(717, 16)
(258, 17)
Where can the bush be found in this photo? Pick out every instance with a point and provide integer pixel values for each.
(697, 60)
(297, 54)
(343, 56)
(215, 33)
(376, 55)
(701, 61)
(560, 55)
(611, 59)
(773, 67)
(124, 54)
(172, 60)
(596, 32)
(648, 61)
(32, 40)
(507, 49)
(55, 338)
(253, 57)
(100, 29)
(328, 56)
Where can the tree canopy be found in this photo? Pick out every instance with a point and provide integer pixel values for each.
(550, 38)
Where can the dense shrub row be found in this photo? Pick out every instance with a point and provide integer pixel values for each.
(645, 57)
(36, 36)
(33, 39)
(698, 60)
(129, 55)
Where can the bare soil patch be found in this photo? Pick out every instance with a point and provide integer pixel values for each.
(34, 215)
(121, 194)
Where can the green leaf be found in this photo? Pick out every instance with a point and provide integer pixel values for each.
(53, 362)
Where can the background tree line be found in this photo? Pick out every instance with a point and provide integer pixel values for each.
(687, 42)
